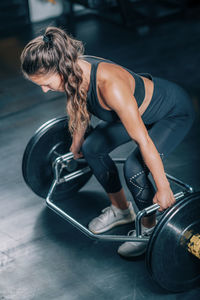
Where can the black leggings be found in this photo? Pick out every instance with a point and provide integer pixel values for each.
(166, 134)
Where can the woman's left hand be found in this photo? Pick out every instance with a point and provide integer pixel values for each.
(164, 198)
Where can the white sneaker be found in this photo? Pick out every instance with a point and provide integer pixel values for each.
(112, 216)
(132, 249)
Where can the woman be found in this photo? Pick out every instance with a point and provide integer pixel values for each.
(155, 113)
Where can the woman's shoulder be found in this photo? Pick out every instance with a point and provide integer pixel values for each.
(111, 74)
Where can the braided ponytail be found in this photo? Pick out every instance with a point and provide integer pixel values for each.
(57, 52)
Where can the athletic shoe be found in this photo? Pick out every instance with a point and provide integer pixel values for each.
(112, 216)
(132, 249)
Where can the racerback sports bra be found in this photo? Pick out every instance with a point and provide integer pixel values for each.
(93, 104)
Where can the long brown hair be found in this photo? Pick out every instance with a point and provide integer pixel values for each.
(57, 52)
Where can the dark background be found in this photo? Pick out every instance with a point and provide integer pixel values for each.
(41, 255)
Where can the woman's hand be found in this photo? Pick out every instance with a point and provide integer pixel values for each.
(75, 149)
(164, 198)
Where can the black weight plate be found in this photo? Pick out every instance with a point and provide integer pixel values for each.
(168, 261)
(51, 138)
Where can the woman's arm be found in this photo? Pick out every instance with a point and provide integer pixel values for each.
(118, 96)
(77, 141)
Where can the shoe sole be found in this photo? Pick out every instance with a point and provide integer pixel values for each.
(122, 222)
(132, 255)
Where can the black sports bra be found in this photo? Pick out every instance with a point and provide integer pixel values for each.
(93, 104)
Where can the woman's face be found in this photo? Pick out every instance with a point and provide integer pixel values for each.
(49, 82)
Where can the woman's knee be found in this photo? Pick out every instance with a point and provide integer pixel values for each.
(91, 147)
(134, 166)
(87, 147)
(134, 178)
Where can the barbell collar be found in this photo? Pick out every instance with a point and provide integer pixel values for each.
(194, 245)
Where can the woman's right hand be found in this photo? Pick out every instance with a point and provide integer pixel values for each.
(75, 149)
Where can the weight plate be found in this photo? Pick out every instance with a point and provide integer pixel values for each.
(168, 261)
(49, 141)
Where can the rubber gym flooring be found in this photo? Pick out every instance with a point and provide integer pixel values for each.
(41, 255)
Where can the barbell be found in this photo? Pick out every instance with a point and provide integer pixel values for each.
(173, 250)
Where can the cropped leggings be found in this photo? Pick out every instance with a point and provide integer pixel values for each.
(166, 134)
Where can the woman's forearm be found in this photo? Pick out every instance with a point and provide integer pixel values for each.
(77, 142)
(154, 163)
(78, 136)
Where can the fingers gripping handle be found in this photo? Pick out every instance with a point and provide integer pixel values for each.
(155, 207)
(149, 210)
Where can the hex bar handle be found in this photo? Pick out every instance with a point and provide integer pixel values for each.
(149, 210)
(188, 187)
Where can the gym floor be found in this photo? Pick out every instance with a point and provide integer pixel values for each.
(41, 255)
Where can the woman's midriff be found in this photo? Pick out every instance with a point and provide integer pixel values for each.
(149, 87)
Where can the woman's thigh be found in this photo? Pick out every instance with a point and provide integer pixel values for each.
(104, 138)
(168, 133)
